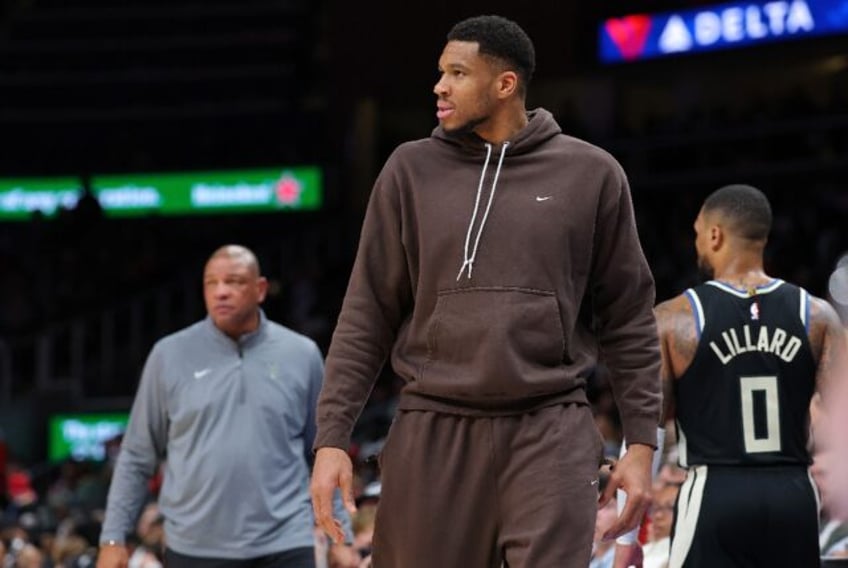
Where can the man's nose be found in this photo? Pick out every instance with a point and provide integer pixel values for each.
(440, 88)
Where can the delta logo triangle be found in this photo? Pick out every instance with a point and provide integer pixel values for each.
(629, 34)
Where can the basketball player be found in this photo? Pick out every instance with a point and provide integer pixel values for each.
(742, 355)
(493, 316)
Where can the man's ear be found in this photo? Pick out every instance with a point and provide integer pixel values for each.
(262, 288)
(507, 84)
(717, 237)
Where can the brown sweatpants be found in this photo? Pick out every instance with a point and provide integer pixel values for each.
(470, 492)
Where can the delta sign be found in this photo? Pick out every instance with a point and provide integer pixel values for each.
(723, 26)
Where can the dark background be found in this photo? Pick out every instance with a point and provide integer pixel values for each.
(100, 86)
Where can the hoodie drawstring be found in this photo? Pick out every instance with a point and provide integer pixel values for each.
(469, 260)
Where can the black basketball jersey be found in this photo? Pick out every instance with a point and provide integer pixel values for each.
(745, 398)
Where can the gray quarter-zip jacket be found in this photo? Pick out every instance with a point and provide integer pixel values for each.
(234, 423)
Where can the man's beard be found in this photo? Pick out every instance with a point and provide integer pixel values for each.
(467, 128)
(705, 271)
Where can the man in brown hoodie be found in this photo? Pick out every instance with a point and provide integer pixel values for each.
(498, 259)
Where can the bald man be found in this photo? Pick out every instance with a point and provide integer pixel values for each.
(742, 356)
(228, 405)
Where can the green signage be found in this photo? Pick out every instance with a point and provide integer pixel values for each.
(82, 436)
(183, 193)
(20, 198)
(188, 193)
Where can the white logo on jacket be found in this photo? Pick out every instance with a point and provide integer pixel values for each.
(202, 373)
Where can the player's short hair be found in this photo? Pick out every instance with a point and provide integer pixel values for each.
(501, 39)
(744, 208)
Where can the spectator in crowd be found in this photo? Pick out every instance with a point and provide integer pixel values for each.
(833, 533)
(830, 467)
(30, 556)
(603, 549)
(657, 549)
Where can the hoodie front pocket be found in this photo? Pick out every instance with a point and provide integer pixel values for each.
(494, 343)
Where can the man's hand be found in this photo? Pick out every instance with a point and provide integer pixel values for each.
(112, 556)
(332, 469)
(344, 556)
(628, 556)
(632, 474)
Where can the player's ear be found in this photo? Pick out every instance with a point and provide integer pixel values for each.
(507, 84)
(717, 237)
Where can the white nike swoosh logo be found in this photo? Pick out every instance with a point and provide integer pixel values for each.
(202, 373)
(543, 198)
(594, 482)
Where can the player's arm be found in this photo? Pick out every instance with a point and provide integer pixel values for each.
(666, 314)
(678, 341)
(828, 342)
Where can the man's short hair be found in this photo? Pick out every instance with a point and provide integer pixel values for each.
(744, 208)
(501, 39)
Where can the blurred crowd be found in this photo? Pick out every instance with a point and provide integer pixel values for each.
(51, 515)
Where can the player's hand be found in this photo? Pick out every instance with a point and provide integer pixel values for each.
(632, 474)
(628, 556)
(332, 469)
(112, 556)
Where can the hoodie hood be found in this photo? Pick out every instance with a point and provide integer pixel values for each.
(541, 127)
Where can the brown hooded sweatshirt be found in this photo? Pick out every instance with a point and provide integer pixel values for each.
(494, 277)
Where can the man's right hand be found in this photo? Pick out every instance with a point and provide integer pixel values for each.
(628, 556)
(112, 556)
(333, 468)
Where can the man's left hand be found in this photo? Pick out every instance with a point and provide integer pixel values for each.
(632, 474)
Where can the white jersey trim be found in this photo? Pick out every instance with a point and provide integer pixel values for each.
(682, 451)
(805, 309)
(686, 516)
(764, 289)
(697, 309)
(817, 493)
